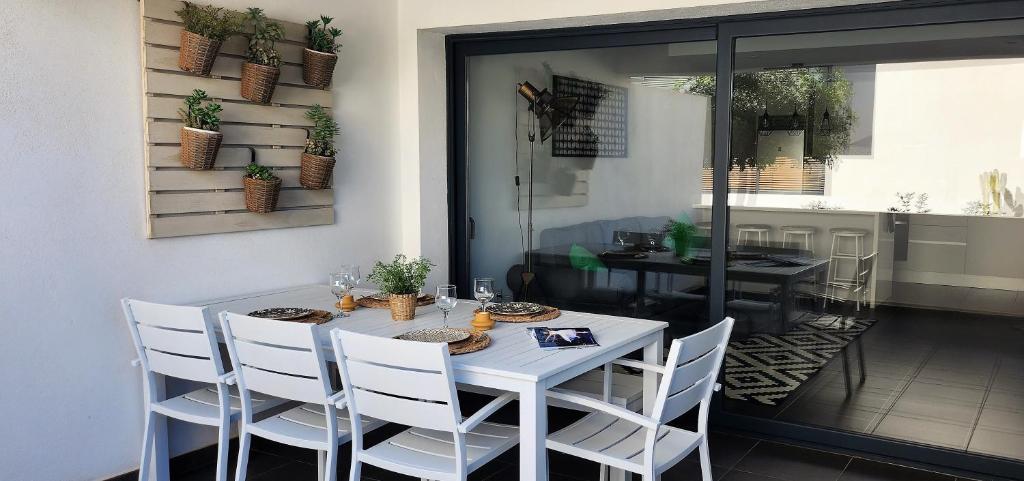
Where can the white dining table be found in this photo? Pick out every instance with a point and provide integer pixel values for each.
(512, 362)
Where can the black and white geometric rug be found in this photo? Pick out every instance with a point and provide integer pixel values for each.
(766, 368)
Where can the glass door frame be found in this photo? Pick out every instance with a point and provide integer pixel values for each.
(725, 30)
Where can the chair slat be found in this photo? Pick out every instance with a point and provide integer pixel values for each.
(697, 344)
(191, 368)
(688, 374)
(392, 352)
(176, 342)
(679, 403)
(284, 386)
(408, 412)
(272, 358)
(165, 315)
(269, 331)
(400, 382)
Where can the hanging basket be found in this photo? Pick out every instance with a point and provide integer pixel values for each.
(197, 53)
(258, 82)
(261, 195)
(315, 172)
(318, 67)
(403, 306)
(199, 148)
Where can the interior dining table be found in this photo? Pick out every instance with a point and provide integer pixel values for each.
(512, 362)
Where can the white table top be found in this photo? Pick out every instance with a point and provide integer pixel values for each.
(512, 353)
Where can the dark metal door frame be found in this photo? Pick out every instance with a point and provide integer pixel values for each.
(726, 30)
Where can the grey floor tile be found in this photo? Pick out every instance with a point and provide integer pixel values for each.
(936, 408)
(924, 431)
(969, 395)
(745, 476)
(1001, 420)
(793, 463)
(865, 470)
(997, 443)
(843, 417)
(1005, 400)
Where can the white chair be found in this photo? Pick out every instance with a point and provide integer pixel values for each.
(180, 341)
(619, 438)
(744, 232)
(284, 359)
(410, 383)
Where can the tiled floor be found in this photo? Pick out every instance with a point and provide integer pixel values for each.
(948, 379)
(734, 458)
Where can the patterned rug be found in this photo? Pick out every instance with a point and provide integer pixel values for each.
(766, 368)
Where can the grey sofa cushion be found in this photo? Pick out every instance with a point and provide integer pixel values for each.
(599, 231)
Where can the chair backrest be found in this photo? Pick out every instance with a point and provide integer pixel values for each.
(278, 358)
(177, 341)
(691, 371)
(403, 382)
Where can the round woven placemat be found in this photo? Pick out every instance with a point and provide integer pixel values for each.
(317, 317)
(548, 314)
(373, 302)
(477, 341)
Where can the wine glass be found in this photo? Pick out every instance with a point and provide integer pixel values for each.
(620, 236)
(445, 300)
(338, 283)
(483, 290)
(342, 283)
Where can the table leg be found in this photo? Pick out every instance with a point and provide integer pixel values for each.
(160, 465)
(653, 354)
(533, 430)
(641, 287)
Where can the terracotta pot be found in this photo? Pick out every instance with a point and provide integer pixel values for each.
(259, 81)
(315, 171)
(318, 67)
(403, 306)
(261, 195)
(199, 148)
(197, 53)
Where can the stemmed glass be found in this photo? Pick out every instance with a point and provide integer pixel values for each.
(445, 300)
(342, 283)
(483, 290)
(621, 237)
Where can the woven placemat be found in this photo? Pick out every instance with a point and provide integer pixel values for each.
(477, 341)
(374, 303)
(317, 317)
(548, 314)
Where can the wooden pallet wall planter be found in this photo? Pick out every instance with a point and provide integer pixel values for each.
(182, 202)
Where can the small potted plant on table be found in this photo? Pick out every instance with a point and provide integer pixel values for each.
(320, 56)
(401, 280)
(200, 139)
(262, 188)
(261, 68)
(206, 27)
(318, 158)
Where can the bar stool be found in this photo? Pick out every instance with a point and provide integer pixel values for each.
(745, 230)
(796, 231)
(833, 280)
(703, 229)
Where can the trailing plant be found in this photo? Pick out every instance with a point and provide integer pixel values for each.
(906, 199)
(401, 276)
(197, 116)
(977, 207)
(321, 38)
(258, 172)
(819, 205)
(262, 39)
(321, 138)
(215, 23)
(809, 91)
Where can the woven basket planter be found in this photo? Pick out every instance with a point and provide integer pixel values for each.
(261, 195)
(197, 53)
(258, 82)
(403, 306)
(318, 67)
(316, 170)
(199, 148)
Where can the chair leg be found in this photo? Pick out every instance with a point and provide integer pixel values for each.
(147, 444)
(705, 460)
(223, 442)
(331, 467)
(604, 473)
(321, 461)
(353, 472)
(244, 439)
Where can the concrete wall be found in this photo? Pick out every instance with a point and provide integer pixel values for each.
(72, 222)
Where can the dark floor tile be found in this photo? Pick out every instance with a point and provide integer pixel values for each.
(790, 462)
(727, 449)
(292, 471)
(997, 443)
(930, 390)
(1001, 420)
(925, 431)
(689, 470)
(934, 408)
(865, 470)
(745, 476)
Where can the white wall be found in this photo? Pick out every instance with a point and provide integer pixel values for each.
(72, 221)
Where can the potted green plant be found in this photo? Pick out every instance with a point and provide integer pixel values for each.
(200, 136)
(401, 280)
(320, 55)
(682, 234)
(318, 158)
(206, 28)
(261, 68)
(262, 188)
